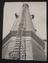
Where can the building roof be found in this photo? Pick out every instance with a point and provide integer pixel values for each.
(27, 33)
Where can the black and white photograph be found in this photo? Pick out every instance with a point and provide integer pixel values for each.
(24, 31)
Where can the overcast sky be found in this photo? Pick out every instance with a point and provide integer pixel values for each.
(36, 8)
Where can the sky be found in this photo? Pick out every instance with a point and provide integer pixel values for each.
(36, 8)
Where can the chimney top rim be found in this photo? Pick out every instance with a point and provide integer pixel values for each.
(25, 5)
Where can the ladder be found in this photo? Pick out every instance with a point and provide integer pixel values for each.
(18, 52)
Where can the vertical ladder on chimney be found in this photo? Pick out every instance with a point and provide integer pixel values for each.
(19, 50)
